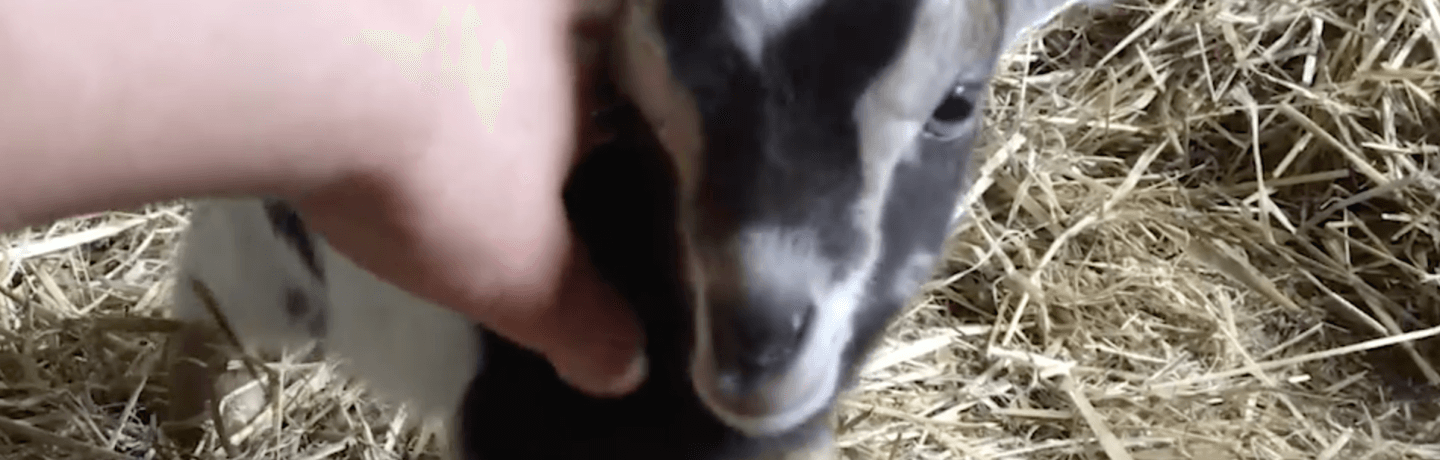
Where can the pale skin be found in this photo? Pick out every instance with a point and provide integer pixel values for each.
(444, 178)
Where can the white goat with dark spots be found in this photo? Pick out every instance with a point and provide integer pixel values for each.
(765, 253)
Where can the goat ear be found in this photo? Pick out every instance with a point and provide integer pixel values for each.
(1024, 15)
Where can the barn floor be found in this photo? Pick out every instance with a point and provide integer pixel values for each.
(1205, 229)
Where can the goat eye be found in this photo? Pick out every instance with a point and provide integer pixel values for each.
(956, 108)
(950, 117)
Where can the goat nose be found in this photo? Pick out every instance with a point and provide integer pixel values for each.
(753, 344)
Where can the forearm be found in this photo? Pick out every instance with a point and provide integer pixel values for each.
(108, 104)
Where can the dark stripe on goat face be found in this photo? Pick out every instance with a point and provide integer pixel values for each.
(285, 221)
(782, 142)
(783, 175)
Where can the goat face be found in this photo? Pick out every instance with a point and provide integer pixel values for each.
(836, 135)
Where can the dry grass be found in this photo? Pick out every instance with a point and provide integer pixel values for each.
(1206, 229)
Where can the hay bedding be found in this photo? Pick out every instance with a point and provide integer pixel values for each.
(1123, 289)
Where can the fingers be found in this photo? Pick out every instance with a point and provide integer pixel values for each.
(567, 313)
(600, 349)
(595, 345)
(528, 282)
(487, 235)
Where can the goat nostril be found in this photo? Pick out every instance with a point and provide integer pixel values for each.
(751, 347)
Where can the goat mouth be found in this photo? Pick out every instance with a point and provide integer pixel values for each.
(782, 403)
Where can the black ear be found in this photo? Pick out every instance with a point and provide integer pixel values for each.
(621, 203)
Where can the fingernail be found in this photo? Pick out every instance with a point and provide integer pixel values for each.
(608, 386)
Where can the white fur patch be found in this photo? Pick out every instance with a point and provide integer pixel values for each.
(781, 258)
(754, 22)
(917, 269)
(400, 345)
(231, 248)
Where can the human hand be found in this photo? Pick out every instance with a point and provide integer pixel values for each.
(475, 220)
(440, 170)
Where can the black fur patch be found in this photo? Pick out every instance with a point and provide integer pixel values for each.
(300, 308)
(286, 223)
(782, 142)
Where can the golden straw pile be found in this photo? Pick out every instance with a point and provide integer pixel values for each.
(1201, 229)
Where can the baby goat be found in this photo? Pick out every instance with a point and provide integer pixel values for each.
(833, 138)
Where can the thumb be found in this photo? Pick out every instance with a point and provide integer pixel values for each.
(595, 342)
(580, 324)
(532, 284)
